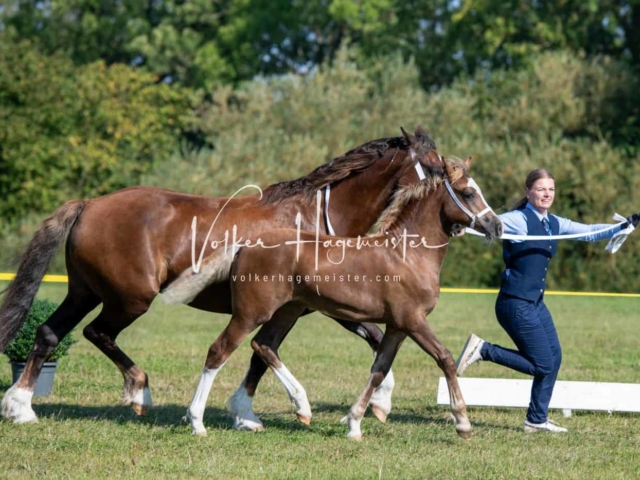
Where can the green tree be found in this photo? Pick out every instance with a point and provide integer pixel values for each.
(176, 40)
(203, 43)
(68, 131)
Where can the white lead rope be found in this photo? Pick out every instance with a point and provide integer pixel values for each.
(613, 246)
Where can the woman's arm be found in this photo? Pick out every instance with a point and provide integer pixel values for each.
(569, 227)
(515, 223)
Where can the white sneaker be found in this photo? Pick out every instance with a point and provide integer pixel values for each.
(548, 426)
(470, 353)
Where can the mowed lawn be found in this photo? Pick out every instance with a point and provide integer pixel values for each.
(84, 433)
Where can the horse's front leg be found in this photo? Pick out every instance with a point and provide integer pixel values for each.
(381, 398)
(266, 344)
(219, 351)
(422, 334)
(391, 342)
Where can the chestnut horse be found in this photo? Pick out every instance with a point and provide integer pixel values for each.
(295, 264)
(122, 249)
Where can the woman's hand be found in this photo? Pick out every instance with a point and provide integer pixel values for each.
(634, 219)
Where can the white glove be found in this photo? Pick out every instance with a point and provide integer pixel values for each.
(619, 238)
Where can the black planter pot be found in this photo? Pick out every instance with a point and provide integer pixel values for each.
(44, 385)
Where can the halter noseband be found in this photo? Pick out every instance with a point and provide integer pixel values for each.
(473, 217)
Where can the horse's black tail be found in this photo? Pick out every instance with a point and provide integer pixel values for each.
(35, 261)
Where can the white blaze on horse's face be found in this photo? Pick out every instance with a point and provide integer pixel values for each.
(472, 183)
(473, 216)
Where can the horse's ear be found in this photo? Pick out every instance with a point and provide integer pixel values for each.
(434, 159)
(449, 168)
(420, 133)
(467, 162)
(410, 138)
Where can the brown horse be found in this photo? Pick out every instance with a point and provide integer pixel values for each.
(394, 286)
(124, 248)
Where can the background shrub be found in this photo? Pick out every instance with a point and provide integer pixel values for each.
(20, 348)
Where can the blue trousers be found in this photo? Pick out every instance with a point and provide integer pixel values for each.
(530, 326)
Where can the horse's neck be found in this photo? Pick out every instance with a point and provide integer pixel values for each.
(357, 202)
(421, 219)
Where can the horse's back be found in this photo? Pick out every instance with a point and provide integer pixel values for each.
(127, 241)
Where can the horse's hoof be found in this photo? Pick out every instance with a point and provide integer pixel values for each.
(26, 419)
(380, 414)
(304, 419)
(356, 437)
(199, 433)
(141, 410)
(16, 406)
(466, 434)
(249, 426)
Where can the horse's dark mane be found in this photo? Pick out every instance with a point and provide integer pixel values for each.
(403, 199)
(354, 161)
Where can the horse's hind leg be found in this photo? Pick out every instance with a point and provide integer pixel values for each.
(381, 398)
(102, 332)
(16, 404)
(389, 346)
(219, 351)
(422, 334)
(269, 337)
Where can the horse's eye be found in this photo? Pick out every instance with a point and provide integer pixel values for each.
(469, 193)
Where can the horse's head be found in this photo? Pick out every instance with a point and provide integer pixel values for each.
(464, 203)
(422, 160)
(422, 151)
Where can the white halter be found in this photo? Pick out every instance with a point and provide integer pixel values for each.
(473, 184)
(327, 194)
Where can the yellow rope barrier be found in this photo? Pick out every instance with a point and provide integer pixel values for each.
(494, 291)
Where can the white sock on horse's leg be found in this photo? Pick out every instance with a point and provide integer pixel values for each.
(458, 411)
(139, 397)
(16, 405)
(142, 402)
(297, 394)
(354, 418)
(195, 412)
(241, 409)
(381, 398)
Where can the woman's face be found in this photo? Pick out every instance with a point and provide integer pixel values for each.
(541, 194)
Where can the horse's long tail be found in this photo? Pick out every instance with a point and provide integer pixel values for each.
(188, 285)
(35, 261)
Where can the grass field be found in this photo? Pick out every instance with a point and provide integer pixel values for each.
(84, 432)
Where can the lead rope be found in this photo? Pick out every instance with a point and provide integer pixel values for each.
(613, 246)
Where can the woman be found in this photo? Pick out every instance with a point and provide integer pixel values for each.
(520, 307)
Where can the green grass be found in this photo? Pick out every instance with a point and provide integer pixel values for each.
(83, 432)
